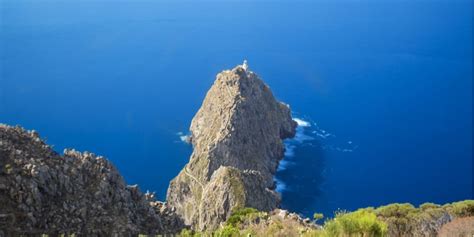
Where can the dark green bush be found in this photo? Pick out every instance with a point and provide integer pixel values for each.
(239, 215)
(186, 233)
(227, 231)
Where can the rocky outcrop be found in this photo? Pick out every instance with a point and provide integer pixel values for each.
(237, 138)
(423, 227)
(81, 193)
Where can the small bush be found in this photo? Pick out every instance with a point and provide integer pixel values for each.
(396, 210)
(318, 216)
(186, 233)
(428, 205)
(461, 209)
(227, 231)
(362, 222)
(240, 215)
(274, 228)
(313, 233)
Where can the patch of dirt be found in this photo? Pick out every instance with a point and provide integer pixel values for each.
(461, 227)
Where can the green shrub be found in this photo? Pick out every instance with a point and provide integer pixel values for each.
(428, 205)
(396, 210)
(318, 216)
(244, 211)
(313, 233)
(461, 209)
(274, 228)
(362, 222)
(186, 233)
(240, 215)
(227, 231)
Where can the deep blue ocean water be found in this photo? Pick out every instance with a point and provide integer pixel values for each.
(383, 88)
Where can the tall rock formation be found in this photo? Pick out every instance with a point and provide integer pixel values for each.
(42, 192)
(237, 138)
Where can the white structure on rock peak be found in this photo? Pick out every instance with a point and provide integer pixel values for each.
(245, 66)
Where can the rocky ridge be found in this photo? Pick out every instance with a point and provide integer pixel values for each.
(237, 139)
(44, 192)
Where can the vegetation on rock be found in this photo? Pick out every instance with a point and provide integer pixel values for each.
(317, 216)
(362, 222)
(390, 220)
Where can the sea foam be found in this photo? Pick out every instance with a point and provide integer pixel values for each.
(186, 138)
(307, 133)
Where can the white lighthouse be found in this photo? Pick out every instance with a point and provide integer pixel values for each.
(245, 66)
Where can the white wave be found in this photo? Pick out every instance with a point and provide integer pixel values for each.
(290, 145)
(343, 149)
(283, 165)
(339, 149)
(302, 123)
(186, 138)
(307, 131)
(289, 150)
(280, 186)
(322, 133)
(300, 135)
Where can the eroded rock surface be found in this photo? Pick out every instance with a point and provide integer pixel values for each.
(237, 138)
(44, 192)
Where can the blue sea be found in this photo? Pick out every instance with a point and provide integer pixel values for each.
(382, 89)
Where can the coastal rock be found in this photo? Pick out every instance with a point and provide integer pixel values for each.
(237, 139)
(429, 224)
(81, 193)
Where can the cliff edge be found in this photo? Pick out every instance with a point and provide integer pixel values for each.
(237, 139)
(42, 192)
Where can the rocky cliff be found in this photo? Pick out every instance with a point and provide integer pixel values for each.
(237, 139)
(44, 192)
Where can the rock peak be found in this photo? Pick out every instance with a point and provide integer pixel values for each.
(237, 138)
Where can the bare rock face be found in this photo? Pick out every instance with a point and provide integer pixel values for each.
(44, 192)
(237, 138)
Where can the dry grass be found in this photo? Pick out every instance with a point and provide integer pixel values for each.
(461, 227)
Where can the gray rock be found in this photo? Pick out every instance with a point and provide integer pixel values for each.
(44, 192)
(237, 138)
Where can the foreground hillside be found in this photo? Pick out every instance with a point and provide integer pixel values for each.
(449, 220)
